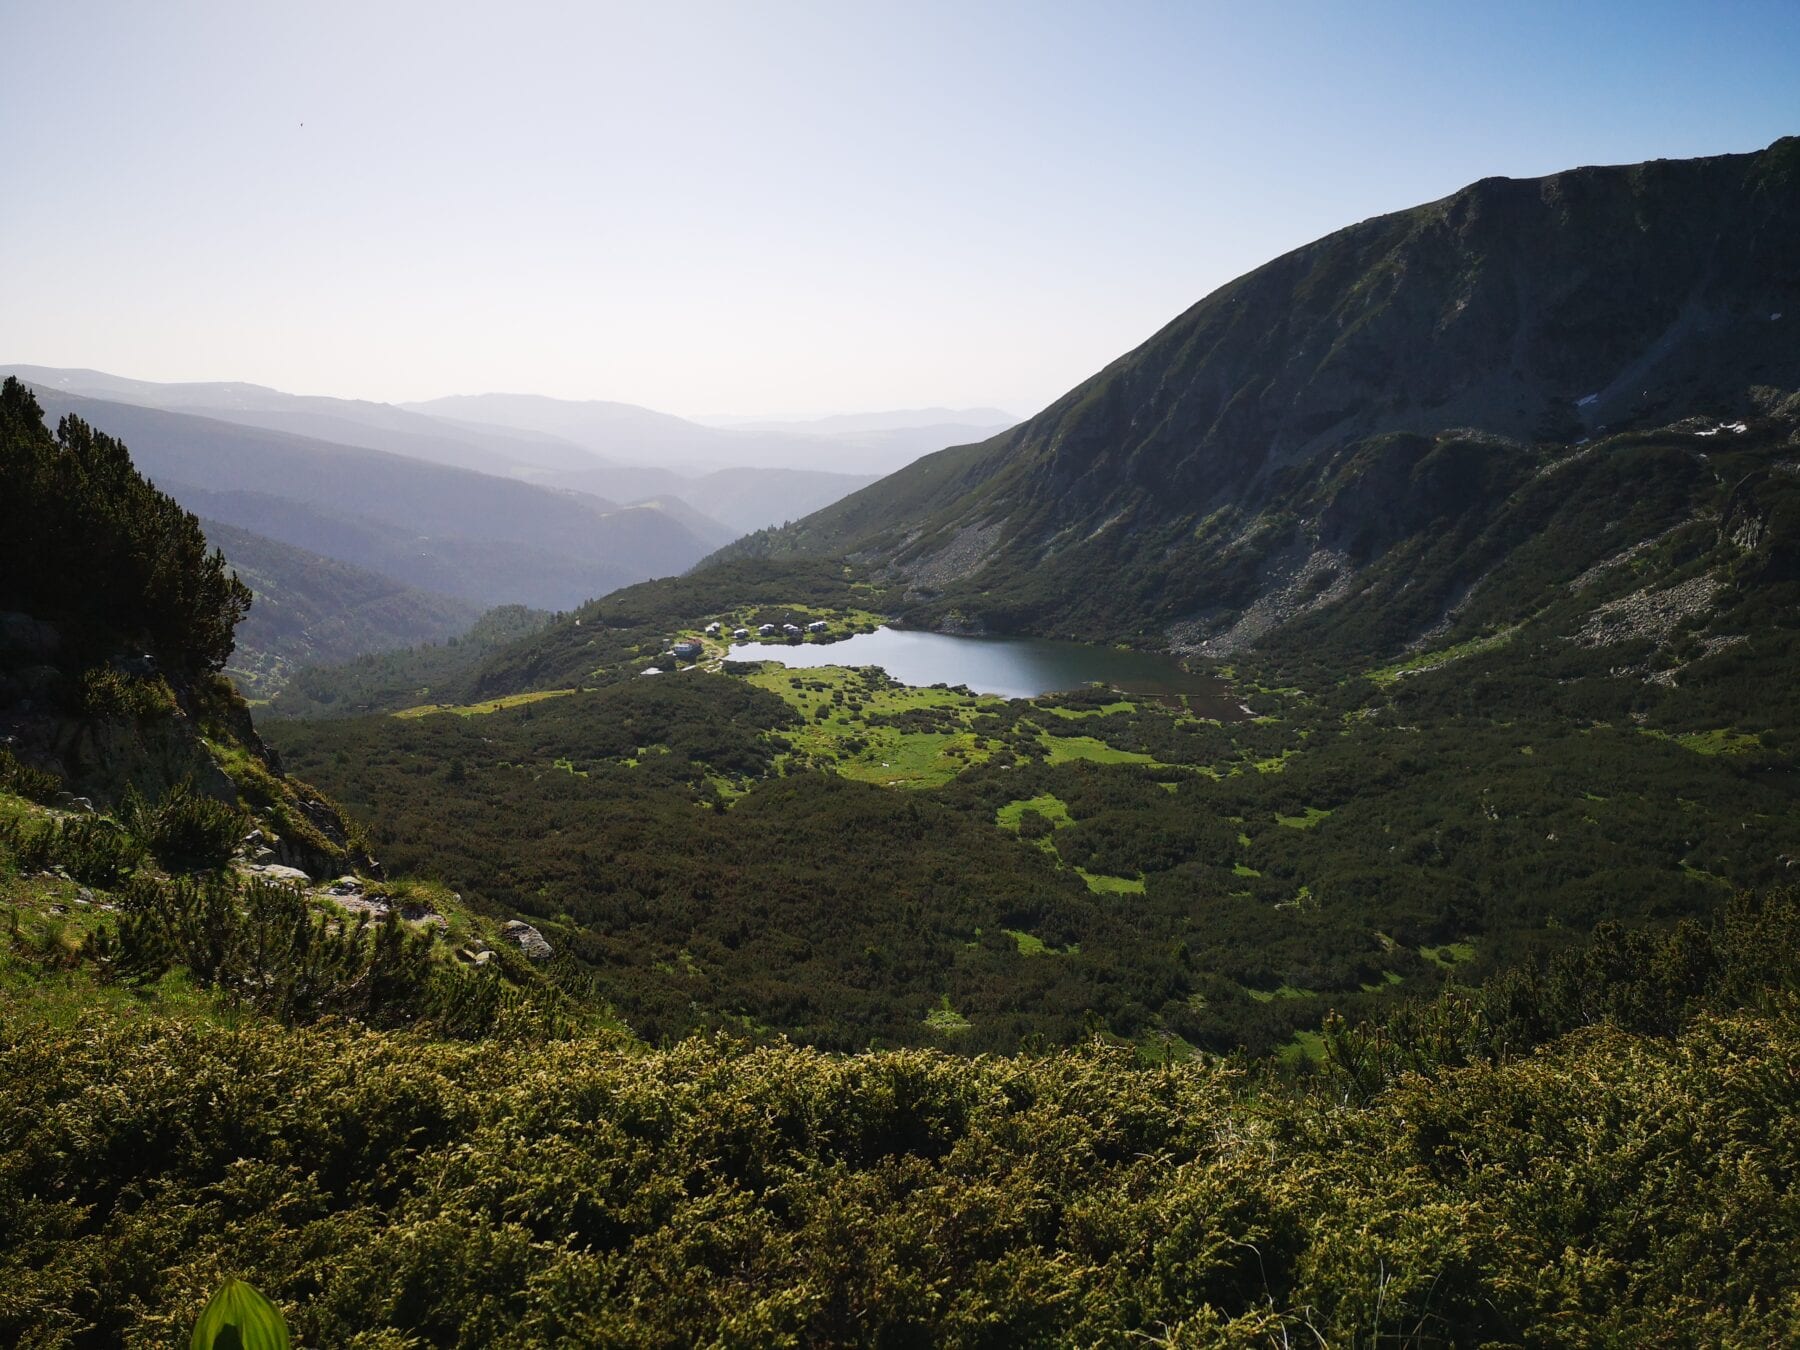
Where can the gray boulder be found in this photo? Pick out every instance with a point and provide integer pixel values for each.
(529, 940)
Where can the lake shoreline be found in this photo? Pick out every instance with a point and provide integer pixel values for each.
(1006, 667)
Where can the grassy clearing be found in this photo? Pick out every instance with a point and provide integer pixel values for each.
(1313, 815)
(945, 1020)
(1031, 945)
(1076, 714)
(837, 705)
(1282, 991)
(1701, 874)
(492, 705)
(1100, 884)
(1064, 749)
(1423, 661)
(1450, 955)
(1052, 808)
(1720, 741)
(1164, 1047)
(1306, 1047)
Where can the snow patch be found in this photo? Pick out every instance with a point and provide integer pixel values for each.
(1584, 402)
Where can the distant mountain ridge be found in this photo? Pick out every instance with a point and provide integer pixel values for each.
(484, 539)
(742, 478)
(1350, 401)
(357, 422)
(624, 433)
(900, 419)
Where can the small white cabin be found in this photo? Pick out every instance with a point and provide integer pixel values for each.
(816, 626)
(714, 629)
(766, 630)
(739, 634)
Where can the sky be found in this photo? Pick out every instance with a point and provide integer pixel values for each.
(769, 208)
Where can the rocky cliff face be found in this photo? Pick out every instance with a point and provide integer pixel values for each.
(1400, 376)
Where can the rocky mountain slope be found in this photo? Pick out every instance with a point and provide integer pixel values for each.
(1412, 379)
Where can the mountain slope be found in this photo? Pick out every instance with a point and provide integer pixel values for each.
(1235, 455)
(481, 538)
(313, 610)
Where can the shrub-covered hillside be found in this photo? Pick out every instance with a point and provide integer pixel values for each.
(1443, 1182)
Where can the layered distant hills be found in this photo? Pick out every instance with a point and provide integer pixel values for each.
(1373, 432)
(867, 443)
(313, 610)
(478, 537)
(369, 526)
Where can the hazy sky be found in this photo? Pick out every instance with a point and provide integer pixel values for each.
(765, 207)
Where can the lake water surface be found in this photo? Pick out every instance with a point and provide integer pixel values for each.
(1010, 667)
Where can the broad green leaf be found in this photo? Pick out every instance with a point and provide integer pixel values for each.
(239, 1318)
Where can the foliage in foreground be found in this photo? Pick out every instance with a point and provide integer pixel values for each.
(389, 1191)
(239, 1318)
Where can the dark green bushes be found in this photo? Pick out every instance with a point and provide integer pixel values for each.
(21, 779)
(384, 1189)
(186, 830)
(92, 850)
(87, 543)
(266, 948)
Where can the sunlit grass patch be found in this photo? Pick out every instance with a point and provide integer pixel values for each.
(1076, 714)
(1313, 815)
(945, 1020)
(1065, 749)
(1450, 954)
(1281, 991)
(1422, 661)
(1051, 807)
(492, 705)
(1164, 1047)
(1306, 1047)
(1719, 741)
(1101, 884)
(1031, 945)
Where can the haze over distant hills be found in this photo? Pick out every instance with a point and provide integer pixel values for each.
(387, 525)
(481, 538)
(872, 443)
(743, 478)
(358, 422)
(902, 419)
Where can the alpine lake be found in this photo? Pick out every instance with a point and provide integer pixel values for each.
(1007, 666)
